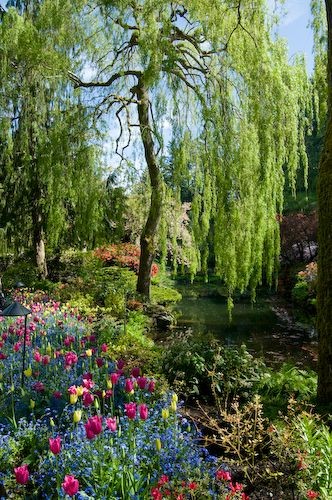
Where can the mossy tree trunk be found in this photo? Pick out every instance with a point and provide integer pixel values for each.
(324, 296)
(149, 234)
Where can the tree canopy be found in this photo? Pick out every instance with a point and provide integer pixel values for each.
(236, 108)
(49, 173)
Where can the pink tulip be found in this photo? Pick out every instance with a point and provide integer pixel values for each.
(88, 399)
(94, 426)
(120, 364)
(111, 424)
(143, 411)
(151, 386)
(70, 359)
(141, 382)
(135, 372)
(46, 359)
(130, 410)
(55, 445)
(22, 474)
(88, 383)
(114, 378)
(37, 356)
(70, 485)
(17, 346)
(129, 385)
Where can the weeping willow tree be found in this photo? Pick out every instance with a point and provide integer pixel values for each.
(49, 181)
(210, 71)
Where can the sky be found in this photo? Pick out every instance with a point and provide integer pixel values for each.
(294, 26)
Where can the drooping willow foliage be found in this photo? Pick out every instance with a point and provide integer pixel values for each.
(49, 176)
(236, 112)
(319, 27)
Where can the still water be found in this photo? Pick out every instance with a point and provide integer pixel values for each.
(264, 328)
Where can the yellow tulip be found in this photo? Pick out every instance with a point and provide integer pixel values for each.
(158, 444)
(174, 406)
(175, 397)
(77, 415)
(79, 390)
(88, 352)
(73, 399)
(109, 384)
(28, 372)
(165, 413)
(32, 404)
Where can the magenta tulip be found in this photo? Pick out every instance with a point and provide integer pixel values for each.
(111, 424)
(22, 474)
(70, 485)
(130, 409)
(143, 411)
(55, 445)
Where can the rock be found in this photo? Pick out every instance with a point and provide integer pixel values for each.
(162, 318)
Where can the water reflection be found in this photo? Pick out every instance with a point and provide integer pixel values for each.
(259, 327)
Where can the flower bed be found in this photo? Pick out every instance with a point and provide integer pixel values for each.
(83, 425)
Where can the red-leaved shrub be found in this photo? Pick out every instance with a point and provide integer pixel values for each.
(123, 255)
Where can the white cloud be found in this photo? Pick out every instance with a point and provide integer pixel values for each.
(295, 9)
(290, 12)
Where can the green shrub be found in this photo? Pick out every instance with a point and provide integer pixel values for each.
(300, 292)
(302, 439)
(164, 295)
(130, 341)
(277, 386)
(207, 369)
(22, 270)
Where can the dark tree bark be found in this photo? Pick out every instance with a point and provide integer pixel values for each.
(324, 295)
(149, 234)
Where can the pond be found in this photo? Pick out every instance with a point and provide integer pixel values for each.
(265, 328)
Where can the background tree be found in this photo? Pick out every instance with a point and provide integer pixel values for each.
(49, 176)
(324, 286)
(236, 108)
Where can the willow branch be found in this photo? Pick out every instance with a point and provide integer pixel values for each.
(116, 76)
